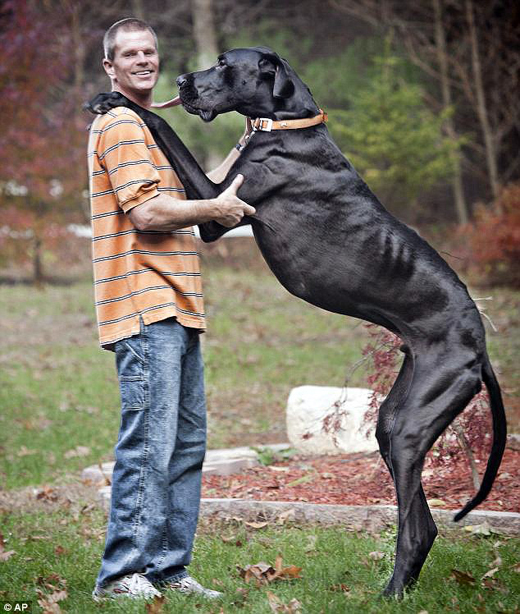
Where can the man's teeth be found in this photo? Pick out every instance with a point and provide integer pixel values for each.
(144, 72)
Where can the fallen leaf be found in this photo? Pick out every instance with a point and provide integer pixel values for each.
(23, 451)
(311, 543)
(156, 606)
(462, 577)
(6, 555)
(376, 556)
(232, 540)
(516, 568)
(59, 550)
(289, 514)
(342, 588)
(436, 503)
(46, 494)
(490, 573)
(49, 602)
(258, 572)
(277, 605)
(78, 451)
(308, 477)
(263, 573)
(256, 525)
(480, 529)
(495, 584)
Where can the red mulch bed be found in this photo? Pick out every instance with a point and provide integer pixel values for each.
(360, 479)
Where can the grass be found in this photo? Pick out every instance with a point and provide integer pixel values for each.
(60, 413)
(59, 392)
(338, 572)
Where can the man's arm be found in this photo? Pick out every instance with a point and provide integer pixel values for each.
(164, 213)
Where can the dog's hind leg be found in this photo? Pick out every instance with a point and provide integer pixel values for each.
(436, 395)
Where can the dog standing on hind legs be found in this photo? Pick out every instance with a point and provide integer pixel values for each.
(329, 241)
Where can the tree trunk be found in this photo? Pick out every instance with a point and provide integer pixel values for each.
(205, 35)
(463, 442)
(137, 9)
(440, 44)
(482, 110)
(38, 276)
(204, 32)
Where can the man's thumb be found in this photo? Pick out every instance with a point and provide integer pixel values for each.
(236, 183)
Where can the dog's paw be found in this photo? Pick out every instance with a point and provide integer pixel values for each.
(102, 103)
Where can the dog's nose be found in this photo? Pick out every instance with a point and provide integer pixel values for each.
(181, 80)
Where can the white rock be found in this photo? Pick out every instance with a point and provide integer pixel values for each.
(308, 406)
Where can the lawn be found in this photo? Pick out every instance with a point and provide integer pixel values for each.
(59, 393)
(56, 555)
(60, 413)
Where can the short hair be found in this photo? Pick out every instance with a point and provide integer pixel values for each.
(130, 24)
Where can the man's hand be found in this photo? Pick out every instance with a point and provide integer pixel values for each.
(229, 208)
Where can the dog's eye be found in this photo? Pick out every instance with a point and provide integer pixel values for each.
(221, 63)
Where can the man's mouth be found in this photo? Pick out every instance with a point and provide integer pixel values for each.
(143, 73)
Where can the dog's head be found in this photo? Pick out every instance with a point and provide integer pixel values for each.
(254, 81)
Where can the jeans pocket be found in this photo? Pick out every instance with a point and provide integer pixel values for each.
(133, 394)
(130, 361)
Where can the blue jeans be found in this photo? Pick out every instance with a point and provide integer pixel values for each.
(159, 454)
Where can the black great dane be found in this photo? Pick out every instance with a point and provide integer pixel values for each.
(330, 241)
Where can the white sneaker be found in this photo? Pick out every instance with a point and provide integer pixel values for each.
(189, 585)
(135, 586)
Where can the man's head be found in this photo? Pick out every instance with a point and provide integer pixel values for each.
(132, 59)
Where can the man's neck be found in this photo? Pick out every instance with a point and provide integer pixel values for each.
(144, 101)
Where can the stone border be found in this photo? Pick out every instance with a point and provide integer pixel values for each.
(354, 517)
(357, 517)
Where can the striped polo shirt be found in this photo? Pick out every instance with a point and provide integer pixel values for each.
(137, 274)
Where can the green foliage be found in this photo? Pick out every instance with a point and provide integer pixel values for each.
(267, 456)
(392, 138)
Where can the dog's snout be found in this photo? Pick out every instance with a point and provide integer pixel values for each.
(181, 80)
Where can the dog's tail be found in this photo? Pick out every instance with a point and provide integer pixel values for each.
(499, 439)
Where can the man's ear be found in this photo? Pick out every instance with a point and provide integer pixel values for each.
(273, 65)
(109, 68)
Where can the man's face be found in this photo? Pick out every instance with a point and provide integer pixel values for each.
(135, 68)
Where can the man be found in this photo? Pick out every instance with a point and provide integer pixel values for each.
(150, 312)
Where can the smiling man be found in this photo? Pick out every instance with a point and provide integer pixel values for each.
(150, 312)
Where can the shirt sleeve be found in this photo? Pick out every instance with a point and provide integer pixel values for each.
(123, 152)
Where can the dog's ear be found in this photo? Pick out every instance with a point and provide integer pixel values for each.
(273, 65)
(283, 83)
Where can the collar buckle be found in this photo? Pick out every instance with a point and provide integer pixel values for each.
(262, 124)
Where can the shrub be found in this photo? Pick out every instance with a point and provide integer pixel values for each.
(467, 435)
(493, 238)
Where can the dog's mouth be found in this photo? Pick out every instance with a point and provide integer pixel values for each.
(206, 115)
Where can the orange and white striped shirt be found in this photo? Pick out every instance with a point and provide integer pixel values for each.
(137, 274)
